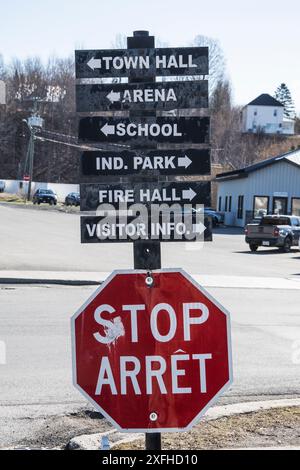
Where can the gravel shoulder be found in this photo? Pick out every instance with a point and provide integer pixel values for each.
(267, 428)
(272, 428)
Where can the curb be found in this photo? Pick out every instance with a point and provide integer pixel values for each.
(82, 278)
(93, 441)
(62, 282)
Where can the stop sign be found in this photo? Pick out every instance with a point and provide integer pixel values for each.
(151, 356)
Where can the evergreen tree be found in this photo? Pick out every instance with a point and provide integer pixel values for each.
(283, 95)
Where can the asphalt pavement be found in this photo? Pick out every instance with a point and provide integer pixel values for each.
(38, 239)
(260, 290)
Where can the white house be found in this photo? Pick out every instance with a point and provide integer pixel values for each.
(265, 114)
(267, 187)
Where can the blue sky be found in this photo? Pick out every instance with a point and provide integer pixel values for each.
(260, 38)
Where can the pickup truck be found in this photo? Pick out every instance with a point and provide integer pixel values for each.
(281, 231)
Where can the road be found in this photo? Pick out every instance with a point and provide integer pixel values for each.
(35, 320)
(48, 240)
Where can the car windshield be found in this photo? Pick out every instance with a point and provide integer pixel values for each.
(275, 221)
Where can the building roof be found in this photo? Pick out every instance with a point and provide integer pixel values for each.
(265, 100)
(292, 157)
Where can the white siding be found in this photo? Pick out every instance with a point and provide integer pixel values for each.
(62, 190)
(281, 177)
(264, 119)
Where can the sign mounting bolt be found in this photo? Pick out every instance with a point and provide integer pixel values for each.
(149, 280)
(153, 417)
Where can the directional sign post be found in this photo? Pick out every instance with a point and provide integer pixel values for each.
(175, 226)
(154, 356)
(131, 96)
(138, 63)
(151, 349)
(160, 162)
(92, 195)
(145, 131)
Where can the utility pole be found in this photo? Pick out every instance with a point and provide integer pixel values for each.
(34, 124)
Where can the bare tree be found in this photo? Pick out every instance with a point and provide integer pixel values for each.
(2, 68)
(120, 41)
(216, 59)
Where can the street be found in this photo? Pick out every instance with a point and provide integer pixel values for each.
(39, 239)
(35, 320)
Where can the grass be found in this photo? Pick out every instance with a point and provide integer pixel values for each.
(268, 428)
(15, 198)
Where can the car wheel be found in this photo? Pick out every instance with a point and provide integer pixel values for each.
(253, 247)
(287, 245)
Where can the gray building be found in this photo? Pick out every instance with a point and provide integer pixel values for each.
(268, 187)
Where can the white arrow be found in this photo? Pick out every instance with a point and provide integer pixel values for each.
(185, 161)
(108, 129)
(199, 228)
(188, 194)
(113, 96)
(94, 63)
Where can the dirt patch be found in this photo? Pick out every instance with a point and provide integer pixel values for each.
(277, 427)
(56, 431)
(13, 200)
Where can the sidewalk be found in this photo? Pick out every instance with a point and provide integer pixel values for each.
(95, 278)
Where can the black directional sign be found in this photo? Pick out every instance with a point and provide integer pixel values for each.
(92, 195)
(140, 131)
(132, 96)
(136, 63)
(175, 228)
(154, 162)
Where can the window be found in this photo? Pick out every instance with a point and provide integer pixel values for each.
(280, 205)
(255, 113)
(296, 206)
(275, 221)
(295, 221)
(226, 203)
(220, 203)
(230, 204)
(275, 112)
(260, 206)
(240, 207)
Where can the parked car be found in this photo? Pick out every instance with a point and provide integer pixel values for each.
(217, 217)
(2, 186)
(72, 199)
(209, 214)
(281, 231)
(44, 196)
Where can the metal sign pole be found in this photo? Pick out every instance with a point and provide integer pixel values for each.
(147, 254)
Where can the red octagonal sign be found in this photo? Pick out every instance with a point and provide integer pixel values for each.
(151, 356)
